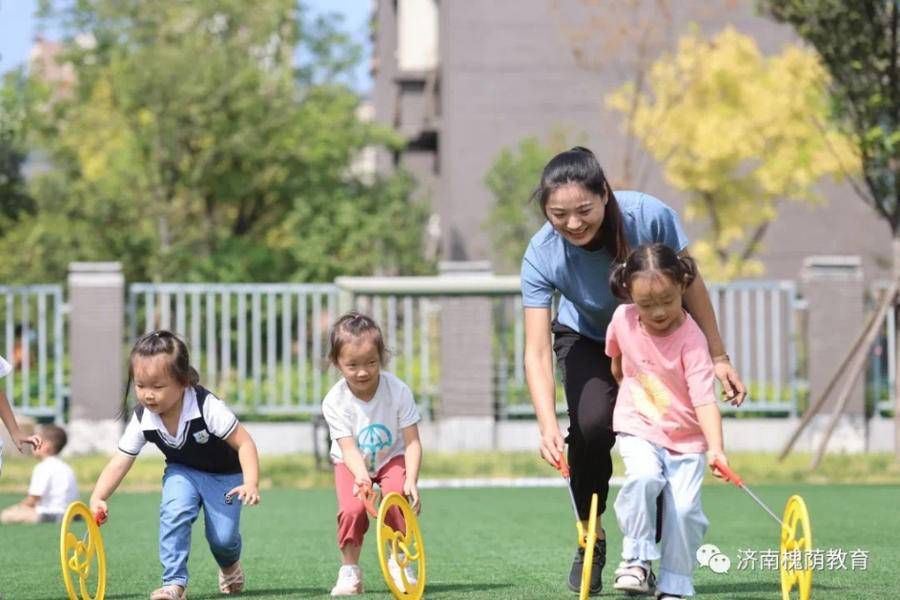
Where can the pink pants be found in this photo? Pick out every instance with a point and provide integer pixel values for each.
(352, 518)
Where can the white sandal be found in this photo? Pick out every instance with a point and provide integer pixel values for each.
(232, 583)
(634, 579)
(169, 592)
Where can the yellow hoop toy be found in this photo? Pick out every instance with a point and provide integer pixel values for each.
(796, 538)
(587, 540)
(796, 543)
(408, 549)
(77, 555)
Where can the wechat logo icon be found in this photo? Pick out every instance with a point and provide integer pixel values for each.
(709, 555)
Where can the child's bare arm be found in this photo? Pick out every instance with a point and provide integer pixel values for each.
(354, 460)
(412, 461)
(711, 424)
(248, 455)
(412, 453)
(9, 420)
(616, 368)
(110, 478)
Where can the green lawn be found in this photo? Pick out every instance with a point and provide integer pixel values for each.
(481, 543)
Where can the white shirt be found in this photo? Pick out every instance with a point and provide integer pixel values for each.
(54, 481)
(376, 425)
(220, 421)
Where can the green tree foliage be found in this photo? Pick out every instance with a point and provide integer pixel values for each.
(207, 140)
(14, 198)
(739, 133)
(859, 44)
(512, 179)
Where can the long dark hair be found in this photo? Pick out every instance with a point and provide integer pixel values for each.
(580, 166)
(651, 258)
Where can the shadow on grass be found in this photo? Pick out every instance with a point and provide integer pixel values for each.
(749, 586)
(284, 592)
(464, 587)
(303, 592)
(308, 592)
(106, 596)
(62, 595)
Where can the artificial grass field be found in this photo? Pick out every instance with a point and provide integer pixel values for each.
(480, 543)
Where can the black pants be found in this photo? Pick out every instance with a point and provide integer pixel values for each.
(591, 397)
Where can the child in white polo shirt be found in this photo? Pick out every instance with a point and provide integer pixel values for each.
(211, 462)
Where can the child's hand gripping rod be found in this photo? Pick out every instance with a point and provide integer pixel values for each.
(100, 517)
(734, 478)
(369, 497)
(563, 467)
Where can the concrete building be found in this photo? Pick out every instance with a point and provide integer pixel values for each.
(463, 79)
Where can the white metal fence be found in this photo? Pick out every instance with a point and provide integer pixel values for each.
(262, 346)
(33, 341)
(760, 324)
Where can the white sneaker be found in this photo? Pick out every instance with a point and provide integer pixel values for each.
(396, 574)
(349, 581)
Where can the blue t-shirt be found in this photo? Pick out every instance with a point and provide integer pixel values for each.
(551, 264)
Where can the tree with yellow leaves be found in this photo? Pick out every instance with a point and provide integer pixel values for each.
(740, 133)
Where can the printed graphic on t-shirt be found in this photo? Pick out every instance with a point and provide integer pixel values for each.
(651, 397)
(370, 440)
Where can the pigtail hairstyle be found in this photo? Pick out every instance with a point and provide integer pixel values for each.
(689, 269)
(618, 282)
(351, 326)
(651, 258)
(165, 342)
(579, 166)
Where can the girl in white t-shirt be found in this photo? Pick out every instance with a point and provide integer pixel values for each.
(211, 462)
(372, 419)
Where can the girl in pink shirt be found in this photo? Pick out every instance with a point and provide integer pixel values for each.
(666, 420)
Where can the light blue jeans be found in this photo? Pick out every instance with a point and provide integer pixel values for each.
(649, 471)
(185, 491)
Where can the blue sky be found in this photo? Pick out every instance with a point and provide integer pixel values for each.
(18, 28)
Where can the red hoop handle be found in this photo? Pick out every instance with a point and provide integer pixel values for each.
(727, 473)
(368, 497)
(562, 466)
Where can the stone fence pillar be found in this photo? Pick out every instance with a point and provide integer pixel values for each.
(96, 348)
(467, 361)
(834, 289)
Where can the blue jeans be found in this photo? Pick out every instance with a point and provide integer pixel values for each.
(184, 491)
